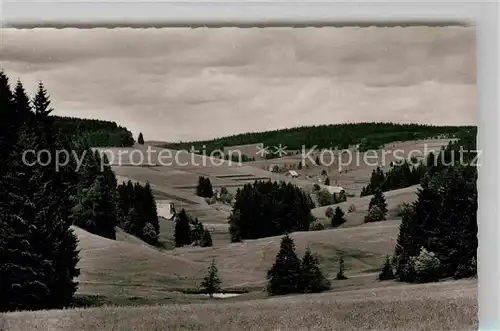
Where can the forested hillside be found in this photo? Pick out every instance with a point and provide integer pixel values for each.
(368, 135)
(97, 133)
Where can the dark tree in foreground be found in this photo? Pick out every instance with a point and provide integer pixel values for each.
(211, 283)
(338, 218)
(438, 232)
(312, 279)
(140, 139)
(285, 274)
(38, 254)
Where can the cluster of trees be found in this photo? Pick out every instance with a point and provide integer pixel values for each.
(266, 208)
(43, 192)
(368, 135)
(325, 198)
(289, 274)
(377, 208)
(438, 234)
(400, 175)
(190, 231)
(204, 188)
(96, 133)
(38, 249)
(138, 207)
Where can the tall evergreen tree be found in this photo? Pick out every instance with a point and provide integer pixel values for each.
(38, 253)
(337, 218)
(284, 275)
(182, 234)
(340, 274)
(312, 279)
(378, 200)
(211, 283)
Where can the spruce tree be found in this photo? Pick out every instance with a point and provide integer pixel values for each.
(182, 234)
(206, 240)
(378, 200)
(312, 279)
(284, 275)
(340, 274)
(38, 253)
(140, 139)
(211, 283)
(337, 218)
(386, 273)
(327, 181)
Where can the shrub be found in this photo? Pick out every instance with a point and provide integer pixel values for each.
(426, 266)
(316, 226)
(211, 200)
(329, 212)
(374, 215)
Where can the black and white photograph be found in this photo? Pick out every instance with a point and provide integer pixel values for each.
(275, 178)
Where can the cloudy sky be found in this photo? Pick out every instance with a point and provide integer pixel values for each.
(183, 84)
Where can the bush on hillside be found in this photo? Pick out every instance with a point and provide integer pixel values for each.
(316, 226)
(426, 266)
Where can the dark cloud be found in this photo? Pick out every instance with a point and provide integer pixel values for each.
(182, 83)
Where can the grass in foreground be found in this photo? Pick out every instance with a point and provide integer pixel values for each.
(440, 306)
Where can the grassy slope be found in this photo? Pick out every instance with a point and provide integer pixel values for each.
(127, 267)
(439, 306)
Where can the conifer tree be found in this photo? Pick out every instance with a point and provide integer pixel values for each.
(337, 218)
(38, 253)
(386, 273)
(211, 283)
(182, 234)
(97, 209)
(312, 279)
(284, 275)
(327, 181)
(378, 200)
(340, 274)
(206, 240)
(140, 139)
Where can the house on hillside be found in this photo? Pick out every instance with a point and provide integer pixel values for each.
(292, 173)
(334, 189)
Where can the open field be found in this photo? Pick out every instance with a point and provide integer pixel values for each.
(129, 267)
(438, 306)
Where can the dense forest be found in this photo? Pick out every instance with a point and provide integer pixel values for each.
(266, 208)
(42, 196)
(96, 133)
(138, 210)
(367, 135)
(438, 233)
